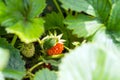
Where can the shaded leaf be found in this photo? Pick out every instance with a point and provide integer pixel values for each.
(2, 31)
(113, 23)
(82, 25)
(15, 68)
(45, 74)
(55, 21)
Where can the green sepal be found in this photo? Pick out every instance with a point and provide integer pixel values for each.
(48, 43)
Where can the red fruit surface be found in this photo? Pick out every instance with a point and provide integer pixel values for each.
(57, 49)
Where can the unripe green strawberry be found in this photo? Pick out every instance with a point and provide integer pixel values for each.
(28, 50)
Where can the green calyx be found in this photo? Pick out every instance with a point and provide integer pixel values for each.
(49, 42)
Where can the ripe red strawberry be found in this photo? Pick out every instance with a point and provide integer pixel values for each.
(53, 44)
(57, 49)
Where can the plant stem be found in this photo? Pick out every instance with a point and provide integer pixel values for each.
(58, 7)
(76, 13)
(66, 11)
(70, 11)
(14, 40)
(67, 48)
(36, 65)
(40, 43)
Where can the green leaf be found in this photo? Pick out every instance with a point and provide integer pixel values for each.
(4, 57)
(98, 60)
(37, 7)
(2, 31)
(79, 6)
(82, 25)
(45, 74)
(24, 24)
(15, 68)
(28, 31)
(2, 11)
(1, 76)
(102, 8)
(113, 25)
(90, 62)
(54, 20)
(113, 1)
(14, 74)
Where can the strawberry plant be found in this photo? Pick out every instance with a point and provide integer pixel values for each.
(59, 39)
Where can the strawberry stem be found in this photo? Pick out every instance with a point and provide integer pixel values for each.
(36, 65)
(58, 7)
(66, 48)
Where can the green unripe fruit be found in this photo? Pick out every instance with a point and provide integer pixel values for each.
(28, 50)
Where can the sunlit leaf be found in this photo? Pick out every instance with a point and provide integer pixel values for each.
(25, 24)
(92, 61)
(4, 57)
(1, 76)
(28, 31)
(82, 25)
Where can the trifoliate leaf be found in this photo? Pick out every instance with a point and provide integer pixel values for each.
(79, 6)
(82, 25)
(102, 8)
(113, 22)
(15, 68)
(45, 74)
(27, 31)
